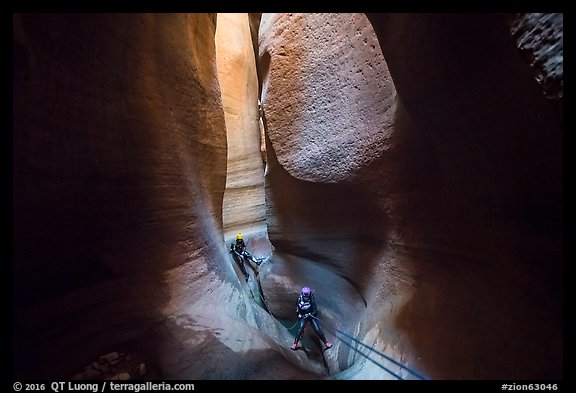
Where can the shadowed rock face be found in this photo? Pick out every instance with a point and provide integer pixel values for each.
(119, 172)
(435, 199)
(540, 39)
(119, 156)
(497, 149)
(413, 180)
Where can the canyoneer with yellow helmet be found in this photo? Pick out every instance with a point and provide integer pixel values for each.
(239, 253)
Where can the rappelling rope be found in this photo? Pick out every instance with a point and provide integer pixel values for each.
(403, 367)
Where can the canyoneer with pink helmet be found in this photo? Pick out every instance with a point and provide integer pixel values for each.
(306, 309)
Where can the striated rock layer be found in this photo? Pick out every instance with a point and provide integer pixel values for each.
(540, 38)
(419, 195)
(413, 180)
(243, 207)
(119, 170)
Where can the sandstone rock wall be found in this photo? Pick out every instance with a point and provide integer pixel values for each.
(429, 218)
(413, 180)
(119, 168)
(540, 38)
(244, 209)
(119, 153)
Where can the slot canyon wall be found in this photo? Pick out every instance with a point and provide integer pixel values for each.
(420, 195)
(413, 180)
(244, 206)
(119, 171)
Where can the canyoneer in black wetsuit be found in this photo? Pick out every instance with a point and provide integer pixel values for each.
(307, 310)
(239, 253)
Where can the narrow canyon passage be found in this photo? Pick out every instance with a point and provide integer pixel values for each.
(406, 167)
(244, 205)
